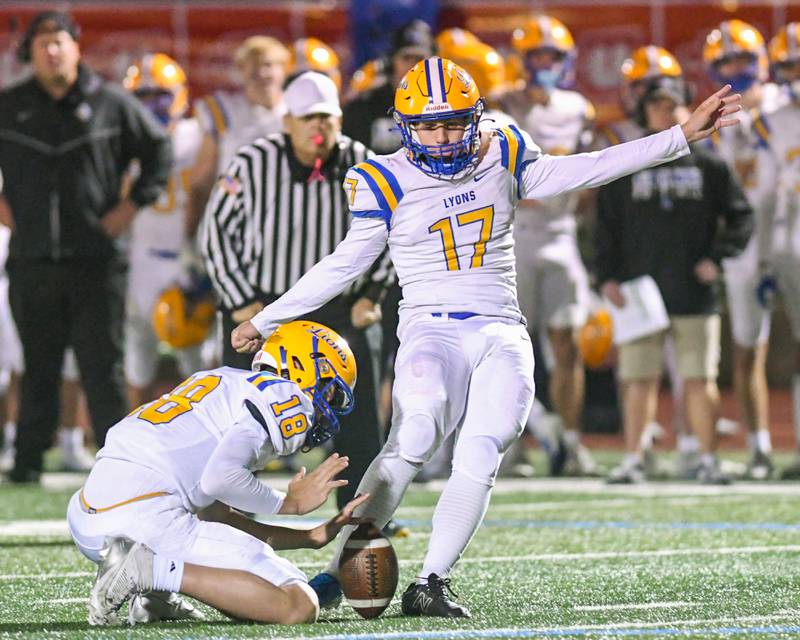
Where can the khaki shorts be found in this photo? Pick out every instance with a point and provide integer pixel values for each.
(697, 347)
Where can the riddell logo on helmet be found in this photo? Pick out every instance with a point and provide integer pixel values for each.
(323, 335)
(435, 108)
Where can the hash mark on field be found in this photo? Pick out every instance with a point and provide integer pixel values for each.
(632, 605)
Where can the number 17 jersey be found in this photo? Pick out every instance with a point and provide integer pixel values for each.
(450, 240)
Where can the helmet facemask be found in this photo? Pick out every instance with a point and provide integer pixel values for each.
(331, 396)
(560, 74)
(791, 80)
(159, 102)
(441, 160)
(744, 79)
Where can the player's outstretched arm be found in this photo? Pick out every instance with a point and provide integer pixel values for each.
(282, 538)
(712, 115)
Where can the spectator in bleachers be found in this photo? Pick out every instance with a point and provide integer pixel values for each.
(66, 138)
(665, 222)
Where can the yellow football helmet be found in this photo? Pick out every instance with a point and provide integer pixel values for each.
(312, 54)
(736, 40)
(438, 90)
(784, 51)
(181, 319)
(650, 62)
(595, 339)
(321, 363)
(478, 59)
(450, 39)
(647, 67)
(161, 83)
(368, 76)
(545, 33)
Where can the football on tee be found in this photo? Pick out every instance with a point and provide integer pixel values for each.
(368, 571)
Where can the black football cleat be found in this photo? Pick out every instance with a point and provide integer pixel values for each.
(431, 599)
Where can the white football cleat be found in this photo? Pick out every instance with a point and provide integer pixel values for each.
(126, 568)
(161, 605)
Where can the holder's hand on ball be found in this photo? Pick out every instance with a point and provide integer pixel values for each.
(324, 533)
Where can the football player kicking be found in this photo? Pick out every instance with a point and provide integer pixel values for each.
(445, 205)
(158, 511)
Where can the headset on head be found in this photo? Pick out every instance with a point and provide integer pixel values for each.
(63, 20)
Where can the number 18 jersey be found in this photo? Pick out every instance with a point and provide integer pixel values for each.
(176, 434)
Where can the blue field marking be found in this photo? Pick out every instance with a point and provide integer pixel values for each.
(568, 633)
(577, 524)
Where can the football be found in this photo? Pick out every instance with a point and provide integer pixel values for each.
(368, 571)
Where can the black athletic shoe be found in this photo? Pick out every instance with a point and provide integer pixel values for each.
(431, 599)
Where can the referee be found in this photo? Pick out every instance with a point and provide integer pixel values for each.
(278, 210)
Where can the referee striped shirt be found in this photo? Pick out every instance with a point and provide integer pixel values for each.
(266, 223)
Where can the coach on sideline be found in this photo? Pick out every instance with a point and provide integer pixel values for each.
(66, 139)
(277, 211)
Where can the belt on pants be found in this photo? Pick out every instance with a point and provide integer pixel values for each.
(455, 315)
(90, 509)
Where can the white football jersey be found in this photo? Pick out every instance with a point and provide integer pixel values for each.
(176, 434)
(559, 128)
(159, 228)
(737, 146)
(233, 121)
(451, 239)
(779, 199)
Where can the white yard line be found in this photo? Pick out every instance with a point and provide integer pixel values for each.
(59, 527)
(34, 528)
(46, 576)
(738, 622)
(82, 600)
(60, 481)
(604, 555)
(629, 606)
(536, 557)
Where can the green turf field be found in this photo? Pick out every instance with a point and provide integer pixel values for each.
(560, 559)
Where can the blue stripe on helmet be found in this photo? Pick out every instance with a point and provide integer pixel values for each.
(428, 79)
(441, 79)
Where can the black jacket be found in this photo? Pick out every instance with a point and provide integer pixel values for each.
(366, 118)
(62, 163)
(663, 221)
